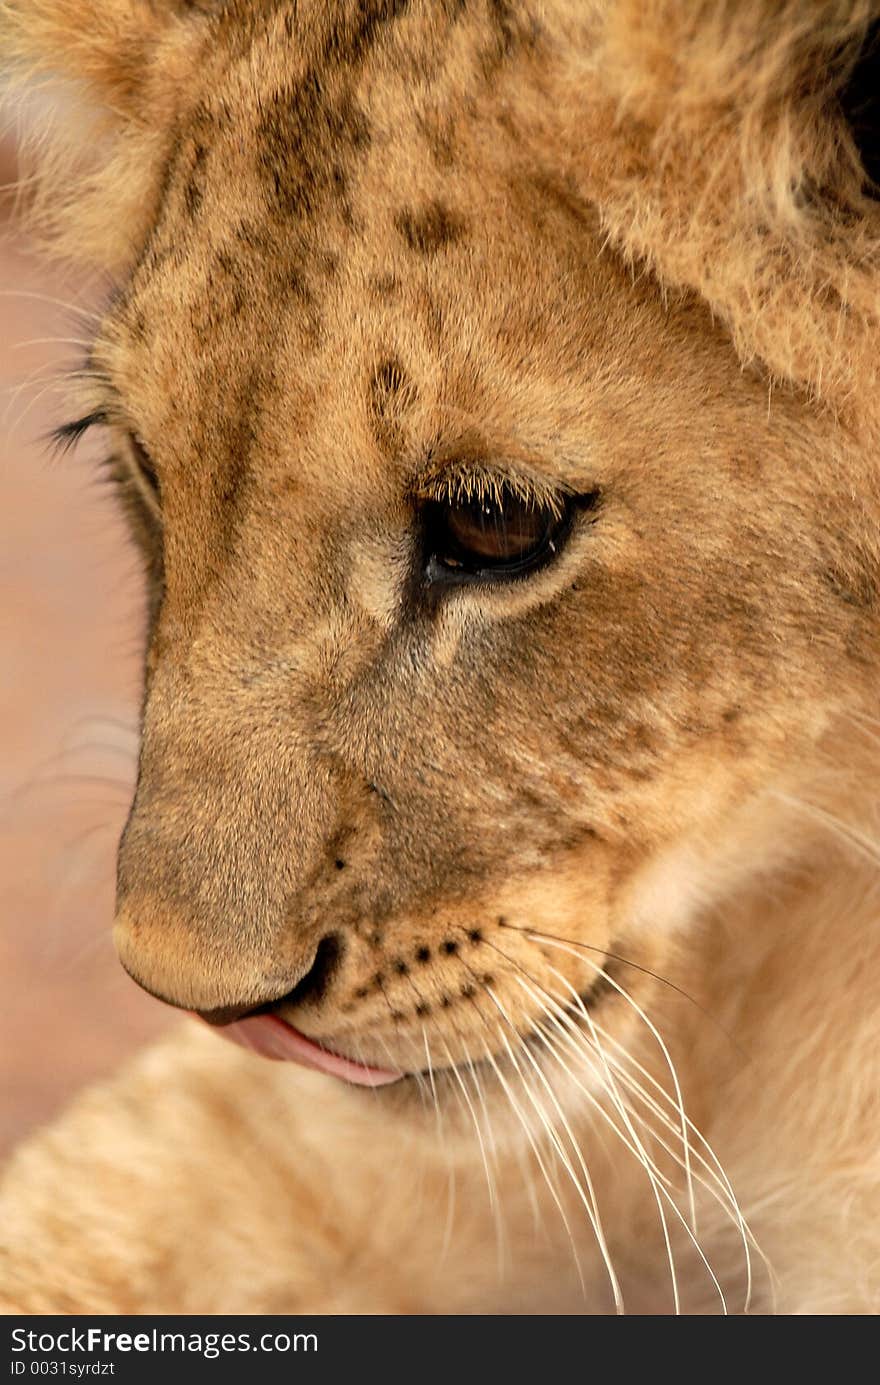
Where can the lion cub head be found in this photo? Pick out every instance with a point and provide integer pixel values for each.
(495, 604)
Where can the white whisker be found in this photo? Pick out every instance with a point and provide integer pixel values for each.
(622, 991)
(554, 1192)
(490, 1180)
(441, 1136)
(588, 1198)
(658, 1186)
(866, 846)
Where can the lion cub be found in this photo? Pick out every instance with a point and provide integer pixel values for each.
(491, 389)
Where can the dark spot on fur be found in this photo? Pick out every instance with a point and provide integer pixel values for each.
(339, 179)
(387, 382)
(358, 28)
(431, 229)
(423, 954)
(511, 30)
(434, 319)
(854, 587)
(445, 1002)
(638, 773)
(475, 935)
(468, 992)
(307, 139)
(439, 135)
(390, 395)
(503, 15)
(423, 1008)
(487, 978)
(449, 947)
(546, 199)
(248, 234)
(385, 286)
(378, 980)
(401, 967)
(339, 863)
(362, 992)
(194, 187)
(298, 287)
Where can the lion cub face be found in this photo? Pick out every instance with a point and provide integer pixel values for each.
(489, 596)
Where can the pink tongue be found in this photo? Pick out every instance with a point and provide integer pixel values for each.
(272, 1038)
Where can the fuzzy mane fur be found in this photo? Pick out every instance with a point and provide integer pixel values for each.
(719, 152)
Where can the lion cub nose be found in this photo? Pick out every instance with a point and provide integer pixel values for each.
(220, 981)
(312, 986)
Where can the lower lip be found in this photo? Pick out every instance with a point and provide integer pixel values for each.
(271, 1037)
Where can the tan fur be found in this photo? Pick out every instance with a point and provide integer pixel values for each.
(368, 256)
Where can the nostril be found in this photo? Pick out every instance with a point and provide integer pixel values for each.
(317, 979)
(228, 1014)
(312, 986)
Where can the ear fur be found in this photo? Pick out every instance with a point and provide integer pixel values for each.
(98, 83)
(106, 46)
(728, 144)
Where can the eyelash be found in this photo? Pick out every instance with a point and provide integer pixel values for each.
(467, 487)
(69, 434)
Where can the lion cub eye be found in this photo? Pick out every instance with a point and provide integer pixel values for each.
(494, 538)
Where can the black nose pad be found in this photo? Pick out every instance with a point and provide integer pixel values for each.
(312, 987)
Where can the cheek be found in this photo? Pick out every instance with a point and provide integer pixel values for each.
(722, 851)
(568, 894)
(665, 894)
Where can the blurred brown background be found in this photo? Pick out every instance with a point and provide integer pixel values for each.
(70, 622)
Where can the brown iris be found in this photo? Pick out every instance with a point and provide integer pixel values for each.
(503, 535)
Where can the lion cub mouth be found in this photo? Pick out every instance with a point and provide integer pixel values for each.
(272, 1037)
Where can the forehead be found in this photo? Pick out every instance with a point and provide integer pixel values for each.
(359, 255)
